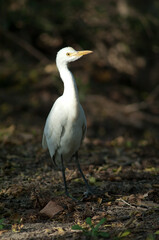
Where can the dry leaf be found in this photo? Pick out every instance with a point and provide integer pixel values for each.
(6, 133)
(51, 209)
(60, 230)
(99, 200)
(3, 231)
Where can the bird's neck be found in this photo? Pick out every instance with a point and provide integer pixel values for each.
(70, 87)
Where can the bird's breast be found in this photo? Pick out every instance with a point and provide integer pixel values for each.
(72, 134)
(72, 108)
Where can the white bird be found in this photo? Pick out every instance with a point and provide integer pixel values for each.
(65, 127)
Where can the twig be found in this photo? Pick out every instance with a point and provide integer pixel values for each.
(153, 94)
(36, 197)
(133, 206)
(26, 46)
(122, 200)
(134, 107)
(131, 114)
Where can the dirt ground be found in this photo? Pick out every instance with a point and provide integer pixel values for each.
(119, 157)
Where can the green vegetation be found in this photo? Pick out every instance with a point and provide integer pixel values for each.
(91, 230)
(2, 223)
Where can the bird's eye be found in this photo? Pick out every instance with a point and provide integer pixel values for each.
(68, 54)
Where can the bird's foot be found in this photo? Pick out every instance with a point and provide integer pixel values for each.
(89, 192)
(70, 196)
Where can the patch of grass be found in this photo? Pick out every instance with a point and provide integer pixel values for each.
(92, 230)
(2, 225)
(122, 235)
(152, 236)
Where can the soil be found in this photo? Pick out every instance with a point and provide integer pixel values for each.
(119, 157)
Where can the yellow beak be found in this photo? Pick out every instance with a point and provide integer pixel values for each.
(81, 53)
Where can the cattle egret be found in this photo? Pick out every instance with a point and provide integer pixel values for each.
(65, 127)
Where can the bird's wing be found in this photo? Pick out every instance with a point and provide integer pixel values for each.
(84, 129)
(54, 127)
(84, 125)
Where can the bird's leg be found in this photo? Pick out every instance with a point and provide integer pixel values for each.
(63, 174)
(54, 162)
(64, 179)
(89, 189)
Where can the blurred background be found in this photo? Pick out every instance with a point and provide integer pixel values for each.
(118, 84)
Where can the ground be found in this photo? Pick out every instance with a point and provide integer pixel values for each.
(119, 157)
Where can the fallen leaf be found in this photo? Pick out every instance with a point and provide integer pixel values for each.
(51, 209)
(99, 200)
(124, 234)
(3, 231)
(17, 227)
(92, 180)
(6, 133)
(60, 230)
(26, 136)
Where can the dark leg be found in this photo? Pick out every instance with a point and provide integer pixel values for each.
(89, 190)
(64, 180)
(64, 177)
(54, 162)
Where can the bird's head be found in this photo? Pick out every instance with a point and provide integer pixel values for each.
(68, 54)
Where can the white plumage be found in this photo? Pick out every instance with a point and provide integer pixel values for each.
(65, 126)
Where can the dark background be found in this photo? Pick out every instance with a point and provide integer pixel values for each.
(123, 68)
